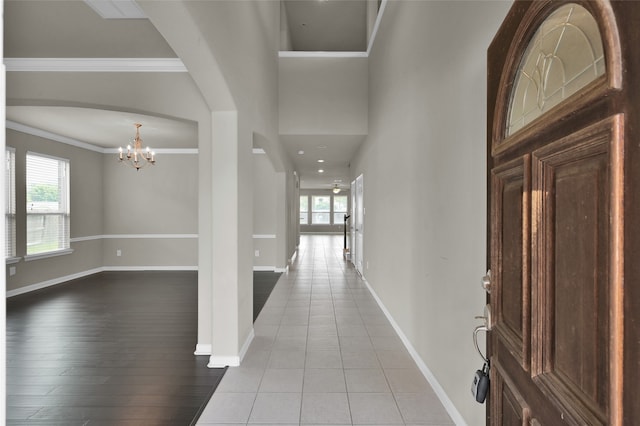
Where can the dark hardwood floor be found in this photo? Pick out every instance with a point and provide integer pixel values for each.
(263, 283)
(114, 348)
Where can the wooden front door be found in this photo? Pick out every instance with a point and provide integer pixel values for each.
(562, 191)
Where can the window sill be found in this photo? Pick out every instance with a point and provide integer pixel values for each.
(30, 257)
(12, 260)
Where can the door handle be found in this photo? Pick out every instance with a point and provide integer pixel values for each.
(486, 318)
(483, 327)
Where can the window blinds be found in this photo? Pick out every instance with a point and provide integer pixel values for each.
(10, 202)
(47, 203)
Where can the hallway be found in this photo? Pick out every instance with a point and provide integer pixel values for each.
(324, 353)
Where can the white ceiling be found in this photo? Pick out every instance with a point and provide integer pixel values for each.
(329, 25)
(106, 129)
(336, 151)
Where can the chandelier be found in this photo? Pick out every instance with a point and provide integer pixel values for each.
(136, 157)
(336, 189)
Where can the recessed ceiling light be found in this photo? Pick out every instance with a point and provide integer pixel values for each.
(322, 147)
(320, 171)
(320, 161)
(301, 152)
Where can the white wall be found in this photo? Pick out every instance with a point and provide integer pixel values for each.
(244, 37)
(424, 170)
(323, 96)
(265, 227)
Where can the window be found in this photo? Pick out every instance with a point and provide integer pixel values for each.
(321, 210)
(47, 204)
(339, 208)
(10, 203)
(304, 210)
(565, 55)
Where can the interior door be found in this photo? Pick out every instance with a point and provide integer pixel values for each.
(556, 198)
(352, 228)
(359, 224)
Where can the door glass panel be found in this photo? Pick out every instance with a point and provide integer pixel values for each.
(564, 56)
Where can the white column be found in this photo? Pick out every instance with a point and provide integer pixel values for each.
(203, 346)
(228, 297)
(224, 235)
(281, 221)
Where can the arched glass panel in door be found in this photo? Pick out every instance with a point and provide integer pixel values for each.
(564, 55)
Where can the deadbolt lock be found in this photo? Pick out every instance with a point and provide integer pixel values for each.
(486, 282)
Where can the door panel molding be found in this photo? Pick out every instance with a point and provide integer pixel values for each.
(572, 178)
(509, 405)
(512, 197)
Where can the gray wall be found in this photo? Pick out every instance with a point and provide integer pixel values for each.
(85, 209)
(159, 201)
(156, 209)
(424, 161)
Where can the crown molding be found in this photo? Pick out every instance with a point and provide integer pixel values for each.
(94, 65)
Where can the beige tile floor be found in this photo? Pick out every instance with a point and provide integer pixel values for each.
(324, 354)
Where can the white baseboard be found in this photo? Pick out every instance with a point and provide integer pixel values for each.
(247, 343)
(270, 269)
(203, 349)
(52, 282)
(438, 389)
(264, 269)
(64, 279)
(150, 268)
(216, 361)
(321, 233)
